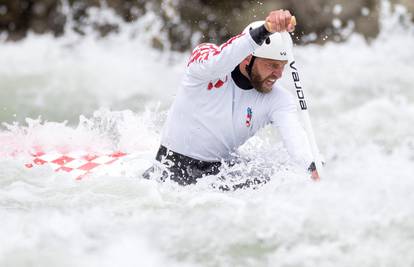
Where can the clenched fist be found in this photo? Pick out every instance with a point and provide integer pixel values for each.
(280, 21)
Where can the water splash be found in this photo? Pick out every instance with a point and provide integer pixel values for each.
(360, 100)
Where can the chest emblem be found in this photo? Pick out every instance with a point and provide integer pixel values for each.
(249, 116)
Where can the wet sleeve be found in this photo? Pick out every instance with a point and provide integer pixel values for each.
(284, 117)
(209, 61)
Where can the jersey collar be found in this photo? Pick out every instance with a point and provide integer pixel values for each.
(241, 80)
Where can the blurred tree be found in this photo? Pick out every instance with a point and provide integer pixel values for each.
(18, 16)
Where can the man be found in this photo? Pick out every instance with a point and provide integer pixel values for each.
(227, 94)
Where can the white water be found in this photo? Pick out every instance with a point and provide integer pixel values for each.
(360, 214)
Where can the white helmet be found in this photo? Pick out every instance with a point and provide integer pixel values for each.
(278, 46)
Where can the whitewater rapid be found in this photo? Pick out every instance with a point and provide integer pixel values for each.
(114, 93)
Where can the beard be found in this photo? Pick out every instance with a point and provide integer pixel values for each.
(259, 83)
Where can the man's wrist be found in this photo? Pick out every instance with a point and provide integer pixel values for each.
(260, 34)
(312, 167)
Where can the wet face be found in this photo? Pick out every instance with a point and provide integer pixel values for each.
(265, 73)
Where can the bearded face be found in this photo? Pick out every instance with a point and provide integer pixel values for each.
(265, 73)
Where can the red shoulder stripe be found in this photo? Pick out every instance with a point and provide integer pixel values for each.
(202, 51)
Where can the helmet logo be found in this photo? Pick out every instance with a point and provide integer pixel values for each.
(283, 53)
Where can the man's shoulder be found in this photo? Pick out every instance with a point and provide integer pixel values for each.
(204, 48)
(205, 45)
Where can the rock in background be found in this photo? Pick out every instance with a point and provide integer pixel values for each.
(208, 20)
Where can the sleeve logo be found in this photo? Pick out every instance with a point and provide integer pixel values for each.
(216, 84)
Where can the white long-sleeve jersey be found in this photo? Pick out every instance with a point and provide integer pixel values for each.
(212, 115)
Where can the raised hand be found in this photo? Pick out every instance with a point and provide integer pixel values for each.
(280, 21)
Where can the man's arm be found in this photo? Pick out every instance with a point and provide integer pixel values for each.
(209, 61)
(294, 137)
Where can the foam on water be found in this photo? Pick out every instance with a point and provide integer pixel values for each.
(63, 78)
(360, 214)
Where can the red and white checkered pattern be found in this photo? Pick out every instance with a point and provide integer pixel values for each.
(78, 164)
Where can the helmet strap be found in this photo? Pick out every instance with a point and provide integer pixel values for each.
(249, 67)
